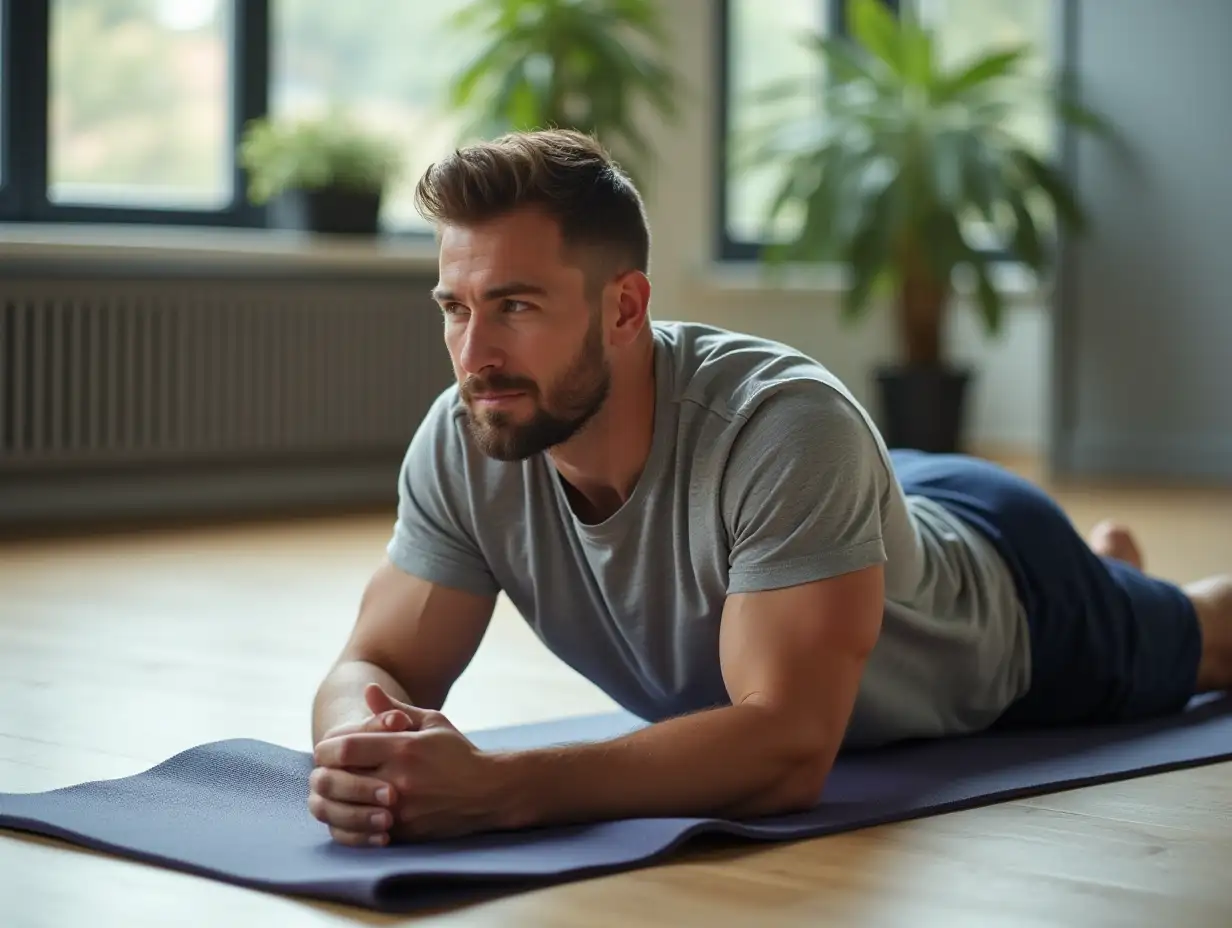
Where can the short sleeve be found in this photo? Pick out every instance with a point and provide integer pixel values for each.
(803, 491)
(433, 535)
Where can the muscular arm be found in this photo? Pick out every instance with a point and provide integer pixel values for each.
(411, 636)
(802, 614)
(792, 659)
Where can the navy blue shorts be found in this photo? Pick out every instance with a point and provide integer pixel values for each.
(1108, 643)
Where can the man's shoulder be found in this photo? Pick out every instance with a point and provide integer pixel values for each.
(734, 377)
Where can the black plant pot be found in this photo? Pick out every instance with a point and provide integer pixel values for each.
(330, 210)
(924, 408)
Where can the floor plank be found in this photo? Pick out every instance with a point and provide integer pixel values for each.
(117, 651)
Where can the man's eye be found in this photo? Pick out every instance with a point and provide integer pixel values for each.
(516, 305)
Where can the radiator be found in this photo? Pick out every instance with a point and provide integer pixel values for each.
(245, 388)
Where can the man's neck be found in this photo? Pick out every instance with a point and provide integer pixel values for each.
(602, 464)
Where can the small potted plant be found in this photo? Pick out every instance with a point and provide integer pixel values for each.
(321, 174)
(911, 157)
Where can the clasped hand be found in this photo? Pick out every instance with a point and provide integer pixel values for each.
(404, 773)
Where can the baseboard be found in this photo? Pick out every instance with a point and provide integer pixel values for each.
(41, 502)
(1205, 458)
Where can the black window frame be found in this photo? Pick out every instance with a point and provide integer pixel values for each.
(25, 31)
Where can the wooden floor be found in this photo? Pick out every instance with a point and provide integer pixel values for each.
(116, 652)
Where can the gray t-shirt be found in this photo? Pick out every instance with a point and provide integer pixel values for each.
(763, 472)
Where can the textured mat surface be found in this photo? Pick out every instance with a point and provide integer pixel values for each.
(236, 811)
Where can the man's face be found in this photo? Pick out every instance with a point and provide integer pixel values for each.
(527, 345)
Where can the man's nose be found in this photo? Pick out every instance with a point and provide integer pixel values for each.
(480, 348)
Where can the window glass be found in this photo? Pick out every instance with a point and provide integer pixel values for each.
(139, 108)
(386, 65)
(764, 47)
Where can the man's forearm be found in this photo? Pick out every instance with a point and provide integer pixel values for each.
(340, 697)
(738, 761)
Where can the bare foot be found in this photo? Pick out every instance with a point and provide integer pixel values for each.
(1114, 540)
(1212, 599)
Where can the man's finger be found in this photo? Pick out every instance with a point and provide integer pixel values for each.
(380, 701)
(345, 786)
(394, 720)
(345, 816)
(358, 838)
(388, 723)
(366, 749)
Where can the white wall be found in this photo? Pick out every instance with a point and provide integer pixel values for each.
(1011, 401)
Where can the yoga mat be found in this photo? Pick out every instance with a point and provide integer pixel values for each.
(236, 810)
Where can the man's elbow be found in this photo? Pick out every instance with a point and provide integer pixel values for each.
(805, 760)
(803, 781)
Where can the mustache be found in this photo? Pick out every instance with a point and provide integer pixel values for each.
(497, 383)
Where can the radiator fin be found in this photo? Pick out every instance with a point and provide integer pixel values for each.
(112, 372)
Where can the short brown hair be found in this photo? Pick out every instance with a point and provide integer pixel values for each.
(565, 173)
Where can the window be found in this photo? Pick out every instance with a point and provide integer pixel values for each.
(387, 63)
(760, 45)
(132, 110)
(138, 107)
(129, 109)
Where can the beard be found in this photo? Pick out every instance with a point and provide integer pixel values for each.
(560, 413)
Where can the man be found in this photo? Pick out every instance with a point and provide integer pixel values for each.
(710, 528)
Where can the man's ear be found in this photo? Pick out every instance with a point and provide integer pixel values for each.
(628, 295)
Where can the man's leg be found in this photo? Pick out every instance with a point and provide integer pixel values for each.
(1108, 642)
(1211, 597)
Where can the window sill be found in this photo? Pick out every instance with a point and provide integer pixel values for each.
(1015, 281)
(195, 248)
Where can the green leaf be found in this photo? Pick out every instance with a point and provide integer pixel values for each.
(872, 24)
(492, 60)
(471, 18)
(983, 70)
(870, 250)
(943, 244)
(1064, 201)
(948, 168)
(819, 185)
(1088, 120)
(1026, 241)
(987, 116)
(1062, 91)
(798, 182)
(918, 56)
(992, 172)
(844, 61)
(991, 303)
(513, 103)
(760, 147)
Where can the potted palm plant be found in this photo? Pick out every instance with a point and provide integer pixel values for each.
(912, 165)
(575, 64)
(323, 174)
